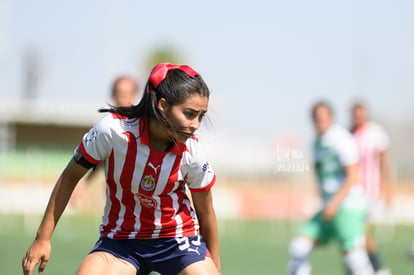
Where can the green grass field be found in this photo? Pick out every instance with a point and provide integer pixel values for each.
(247, 247)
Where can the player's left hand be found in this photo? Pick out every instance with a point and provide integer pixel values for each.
(329, 212)
(387, 199)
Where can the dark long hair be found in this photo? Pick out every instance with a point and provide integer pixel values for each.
(174, 88)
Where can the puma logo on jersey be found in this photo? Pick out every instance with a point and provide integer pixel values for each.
(154, 167)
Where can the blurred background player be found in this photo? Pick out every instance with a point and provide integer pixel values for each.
(343, 213)
(373, 144)
(124, 93)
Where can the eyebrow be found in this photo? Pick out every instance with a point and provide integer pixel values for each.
(197, 111)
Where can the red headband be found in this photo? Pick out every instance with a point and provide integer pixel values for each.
(160, 71)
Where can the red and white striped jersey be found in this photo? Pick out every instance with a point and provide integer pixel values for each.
(372, 141)
(145, 189)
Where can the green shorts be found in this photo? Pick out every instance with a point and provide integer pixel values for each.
(347, 227)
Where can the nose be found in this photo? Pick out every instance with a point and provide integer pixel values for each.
(195, 124)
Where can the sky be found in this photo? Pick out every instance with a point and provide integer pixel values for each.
(266, 62)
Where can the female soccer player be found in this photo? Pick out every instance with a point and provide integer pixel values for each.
(373, 146)
(150, 154)
(342, 216)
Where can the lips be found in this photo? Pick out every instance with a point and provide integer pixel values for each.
(185, 134)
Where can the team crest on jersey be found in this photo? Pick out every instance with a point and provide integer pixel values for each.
(148, 183)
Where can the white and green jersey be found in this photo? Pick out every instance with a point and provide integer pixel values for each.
(333, 151)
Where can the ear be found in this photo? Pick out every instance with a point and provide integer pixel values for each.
(162, 104)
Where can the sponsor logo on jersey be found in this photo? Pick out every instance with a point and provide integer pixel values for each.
(147, 201)
(206, 168)
(93, 133)
(148, 183)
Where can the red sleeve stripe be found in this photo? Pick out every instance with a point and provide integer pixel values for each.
(208, 187)
(118, 116)
(86, 155)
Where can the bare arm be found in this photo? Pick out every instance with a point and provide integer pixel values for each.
(385, 178)
(206, 215)
(39, 251)
(351, 178)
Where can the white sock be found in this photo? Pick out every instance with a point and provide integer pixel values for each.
(358, 262)
(299, 250)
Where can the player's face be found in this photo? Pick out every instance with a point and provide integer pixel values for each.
(322, 118)
(359, 115)
(186, 117)
(125, 93)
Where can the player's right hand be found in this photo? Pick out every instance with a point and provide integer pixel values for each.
(38, 253)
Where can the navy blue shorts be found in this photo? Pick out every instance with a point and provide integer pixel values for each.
(164, 255)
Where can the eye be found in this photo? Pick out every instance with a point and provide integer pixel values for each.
(190, 114)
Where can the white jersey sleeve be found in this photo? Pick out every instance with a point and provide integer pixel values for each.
(380, 137)
(200, 176)
(345, 146)
(96, 145)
